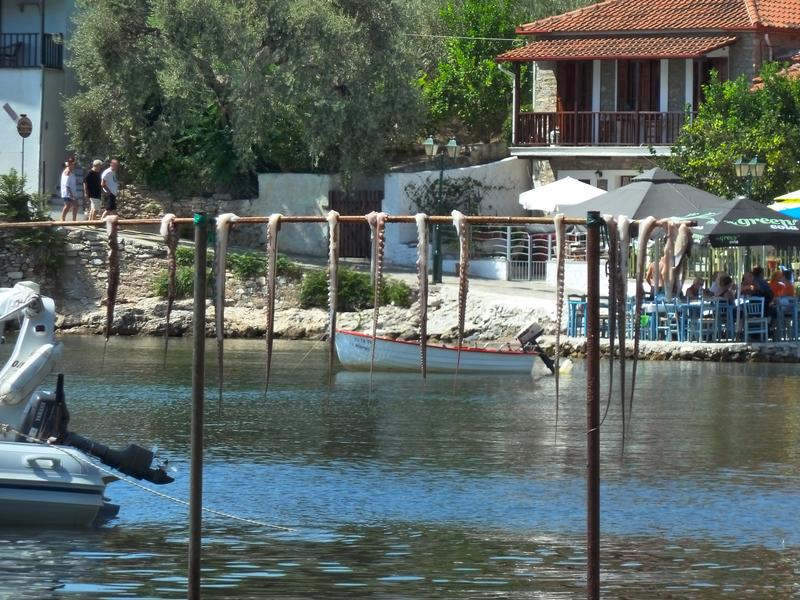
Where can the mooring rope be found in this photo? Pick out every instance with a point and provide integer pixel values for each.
(5, 427)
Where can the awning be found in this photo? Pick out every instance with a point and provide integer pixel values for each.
(563, 192)
(612, 48)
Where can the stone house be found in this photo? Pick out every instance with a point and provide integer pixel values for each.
(607, 83)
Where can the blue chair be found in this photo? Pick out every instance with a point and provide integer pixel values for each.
(755, 323)
(576, 315)
(726, 311)
(786, 326)
(702, 320)
(669, 322)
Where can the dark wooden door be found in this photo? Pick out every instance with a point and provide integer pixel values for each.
(354, 239)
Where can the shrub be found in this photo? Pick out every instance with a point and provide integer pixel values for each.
(184, 256)
(355, 291)
(396, 292)
(247, 265)
(288, 269)
(184, 282)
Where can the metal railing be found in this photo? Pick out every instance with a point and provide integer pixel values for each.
(526, 252)
(585, 128)
(24, 50)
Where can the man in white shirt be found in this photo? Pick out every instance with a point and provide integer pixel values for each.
(68, 194)
(108, 181)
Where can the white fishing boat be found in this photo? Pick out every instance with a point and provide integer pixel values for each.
(354, 351)
(46, 475)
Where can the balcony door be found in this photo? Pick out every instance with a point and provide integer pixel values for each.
(638, 91)
(574, 95)
(702, 75)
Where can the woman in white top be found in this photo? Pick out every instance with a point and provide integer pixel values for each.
(68, 194)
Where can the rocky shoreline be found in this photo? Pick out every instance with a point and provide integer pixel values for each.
(491, 322)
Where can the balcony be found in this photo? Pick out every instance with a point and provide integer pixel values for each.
(598, 128)
(24, 50)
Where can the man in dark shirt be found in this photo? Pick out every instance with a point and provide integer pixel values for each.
(92, 189)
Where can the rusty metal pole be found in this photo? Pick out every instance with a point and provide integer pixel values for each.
(198, 397)
(593, 224)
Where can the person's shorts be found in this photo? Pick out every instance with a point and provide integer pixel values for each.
(111, 202)
(66, 199)
(95, 204)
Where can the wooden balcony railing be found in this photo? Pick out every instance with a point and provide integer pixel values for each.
(598, 128)
(24, 50)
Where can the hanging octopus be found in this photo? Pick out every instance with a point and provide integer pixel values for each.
(112, 283)
(333, 286)
(377, 224)
(462, 229)
(558, 222)
(669, 250)
(273, 226)
(422, 280)
(646, 227)
(169, 231)
(683, 250)
(612, 267)
(624, 234)
(224, 224)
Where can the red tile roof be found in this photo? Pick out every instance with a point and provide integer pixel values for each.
(792, 72)
(671, 15)
(609, 48)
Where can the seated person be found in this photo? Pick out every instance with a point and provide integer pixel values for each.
(779, 286)
(696, 290)
(748, 285)
(761, 286)
(722, 287)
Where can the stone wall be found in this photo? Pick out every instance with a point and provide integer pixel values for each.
(22, 263)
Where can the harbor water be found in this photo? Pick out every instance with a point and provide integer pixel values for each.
(437, 488)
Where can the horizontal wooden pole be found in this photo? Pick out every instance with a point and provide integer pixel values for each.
(474, 219)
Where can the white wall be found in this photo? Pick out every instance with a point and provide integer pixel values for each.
(21, 88)
(297, 194)
(510, 175)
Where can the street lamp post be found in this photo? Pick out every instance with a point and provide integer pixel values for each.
(750, 169)
(431, 150)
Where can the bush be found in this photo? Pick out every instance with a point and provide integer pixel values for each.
(288, 269)
(247, 265)
(396, 292)
(355, 291)
(184, 256)
(184, 282)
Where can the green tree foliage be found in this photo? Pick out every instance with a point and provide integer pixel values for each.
(355, 291)
(198, 95)
(464, 88)
(736, 122)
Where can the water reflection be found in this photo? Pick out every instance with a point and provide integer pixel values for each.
(417, 490)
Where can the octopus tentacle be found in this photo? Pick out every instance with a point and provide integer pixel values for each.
(558, 222)
(169, 231)
(422, 280)
(112, 283)
(462, 229)
(273, 226)
(224, 224)
(683, 250)
(613, 295)
(669, 250)
(377, 224)
(646, 227)
(624, 233)
(333, 286)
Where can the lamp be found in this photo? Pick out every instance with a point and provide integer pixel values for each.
(451, 149)
(599, 174)
(751, 169)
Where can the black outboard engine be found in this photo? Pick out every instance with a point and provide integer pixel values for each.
(51, 421)
(528, 339)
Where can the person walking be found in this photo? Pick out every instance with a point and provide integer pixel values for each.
(110, 187)
(92, 189)
(68, 195)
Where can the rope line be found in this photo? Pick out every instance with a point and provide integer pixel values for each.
(5, 427)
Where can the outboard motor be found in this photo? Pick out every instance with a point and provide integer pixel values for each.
(51, 420)
(528, 339)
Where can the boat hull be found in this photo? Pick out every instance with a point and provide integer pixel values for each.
(44, 485)
(354, 351)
